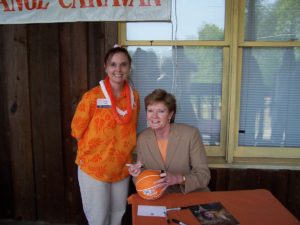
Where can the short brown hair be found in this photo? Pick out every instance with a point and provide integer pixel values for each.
(160, 95)
(115, 50)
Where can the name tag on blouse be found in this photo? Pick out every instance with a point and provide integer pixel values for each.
(103, 103)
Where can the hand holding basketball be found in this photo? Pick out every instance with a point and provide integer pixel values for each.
(169, 179)
(135, 169)
(146, 185)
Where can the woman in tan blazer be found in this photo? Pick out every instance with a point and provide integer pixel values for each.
(175, 148)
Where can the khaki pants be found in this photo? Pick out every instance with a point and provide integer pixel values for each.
(103, 203)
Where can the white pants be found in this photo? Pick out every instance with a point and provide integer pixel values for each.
(103, 203)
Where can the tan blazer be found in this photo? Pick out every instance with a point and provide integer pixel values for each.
(185, 156)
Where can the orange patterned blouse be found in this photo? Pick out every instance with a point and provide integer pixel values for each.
(104, 146)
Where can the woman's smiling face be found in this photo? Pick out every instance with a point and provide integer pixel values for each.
(158, 116)
(118, 68)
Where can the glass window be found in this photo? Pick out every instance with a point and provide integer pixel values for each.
(242, 91)
(205, 21)
(192, 74)
(270, 97)
(272, 20)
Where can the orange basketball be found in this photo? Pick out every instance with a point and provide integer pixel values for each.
(145, 186)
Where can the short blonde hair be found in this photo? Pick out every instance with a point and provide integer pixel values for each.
(161, 95)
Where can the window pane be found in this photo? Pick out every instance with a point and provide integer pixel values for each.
(192, 74)
(270, 96)
(272, 20)
(195, 20)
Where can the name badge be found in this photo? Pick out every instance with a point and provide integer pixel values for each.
(103, 103)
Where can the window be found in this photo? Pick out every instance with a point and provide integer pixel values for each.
(234, 67)
(270, 97)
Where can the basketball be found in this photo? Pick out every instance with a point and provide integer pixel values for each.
(145, 186)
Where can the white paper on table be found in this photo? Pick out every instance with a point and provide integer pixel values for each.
(147, 210)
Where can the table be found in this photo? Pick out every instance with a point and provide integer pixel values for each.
(250, 207)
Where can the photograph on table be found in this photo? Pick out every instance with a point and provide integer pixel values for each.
(213, 213)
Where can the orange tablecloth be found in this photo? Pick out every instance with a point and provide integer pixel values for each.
(250, 207)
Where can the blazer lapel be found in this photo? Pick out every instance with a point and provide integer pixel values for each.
(154, 150)
(172, 149)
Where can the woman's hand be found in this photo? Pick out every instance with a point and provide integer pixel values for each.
(135, 169)
(169, 179)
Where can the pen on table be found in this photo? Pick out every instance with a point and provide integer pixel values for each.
(178, 222)
(177, 208)
(171, 209)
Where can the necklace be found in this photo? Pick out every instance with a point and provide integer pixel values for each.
(121, 116)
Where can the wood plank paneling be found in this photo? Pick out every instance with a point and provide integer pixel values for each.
(74, 82)
(45, 69)
(219, 179)
(280, 184)
(293, 194)
(19, 120)
(6, 187)
(46, 121)
(101, 37)
(96, 46)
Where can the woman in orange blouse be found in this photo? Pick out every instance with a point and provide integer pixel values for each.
(105, 125)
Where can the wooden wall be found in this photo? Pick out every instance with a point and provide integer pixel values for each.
(44, 70)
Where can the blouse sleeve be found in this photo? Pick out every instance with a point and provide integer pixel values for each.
(81, 118)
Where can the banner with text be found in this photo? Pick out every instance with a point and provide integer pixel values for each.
(54, 11)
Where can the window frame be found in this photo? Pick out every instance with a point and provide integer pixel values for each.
(228, 153)
(273, 154)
